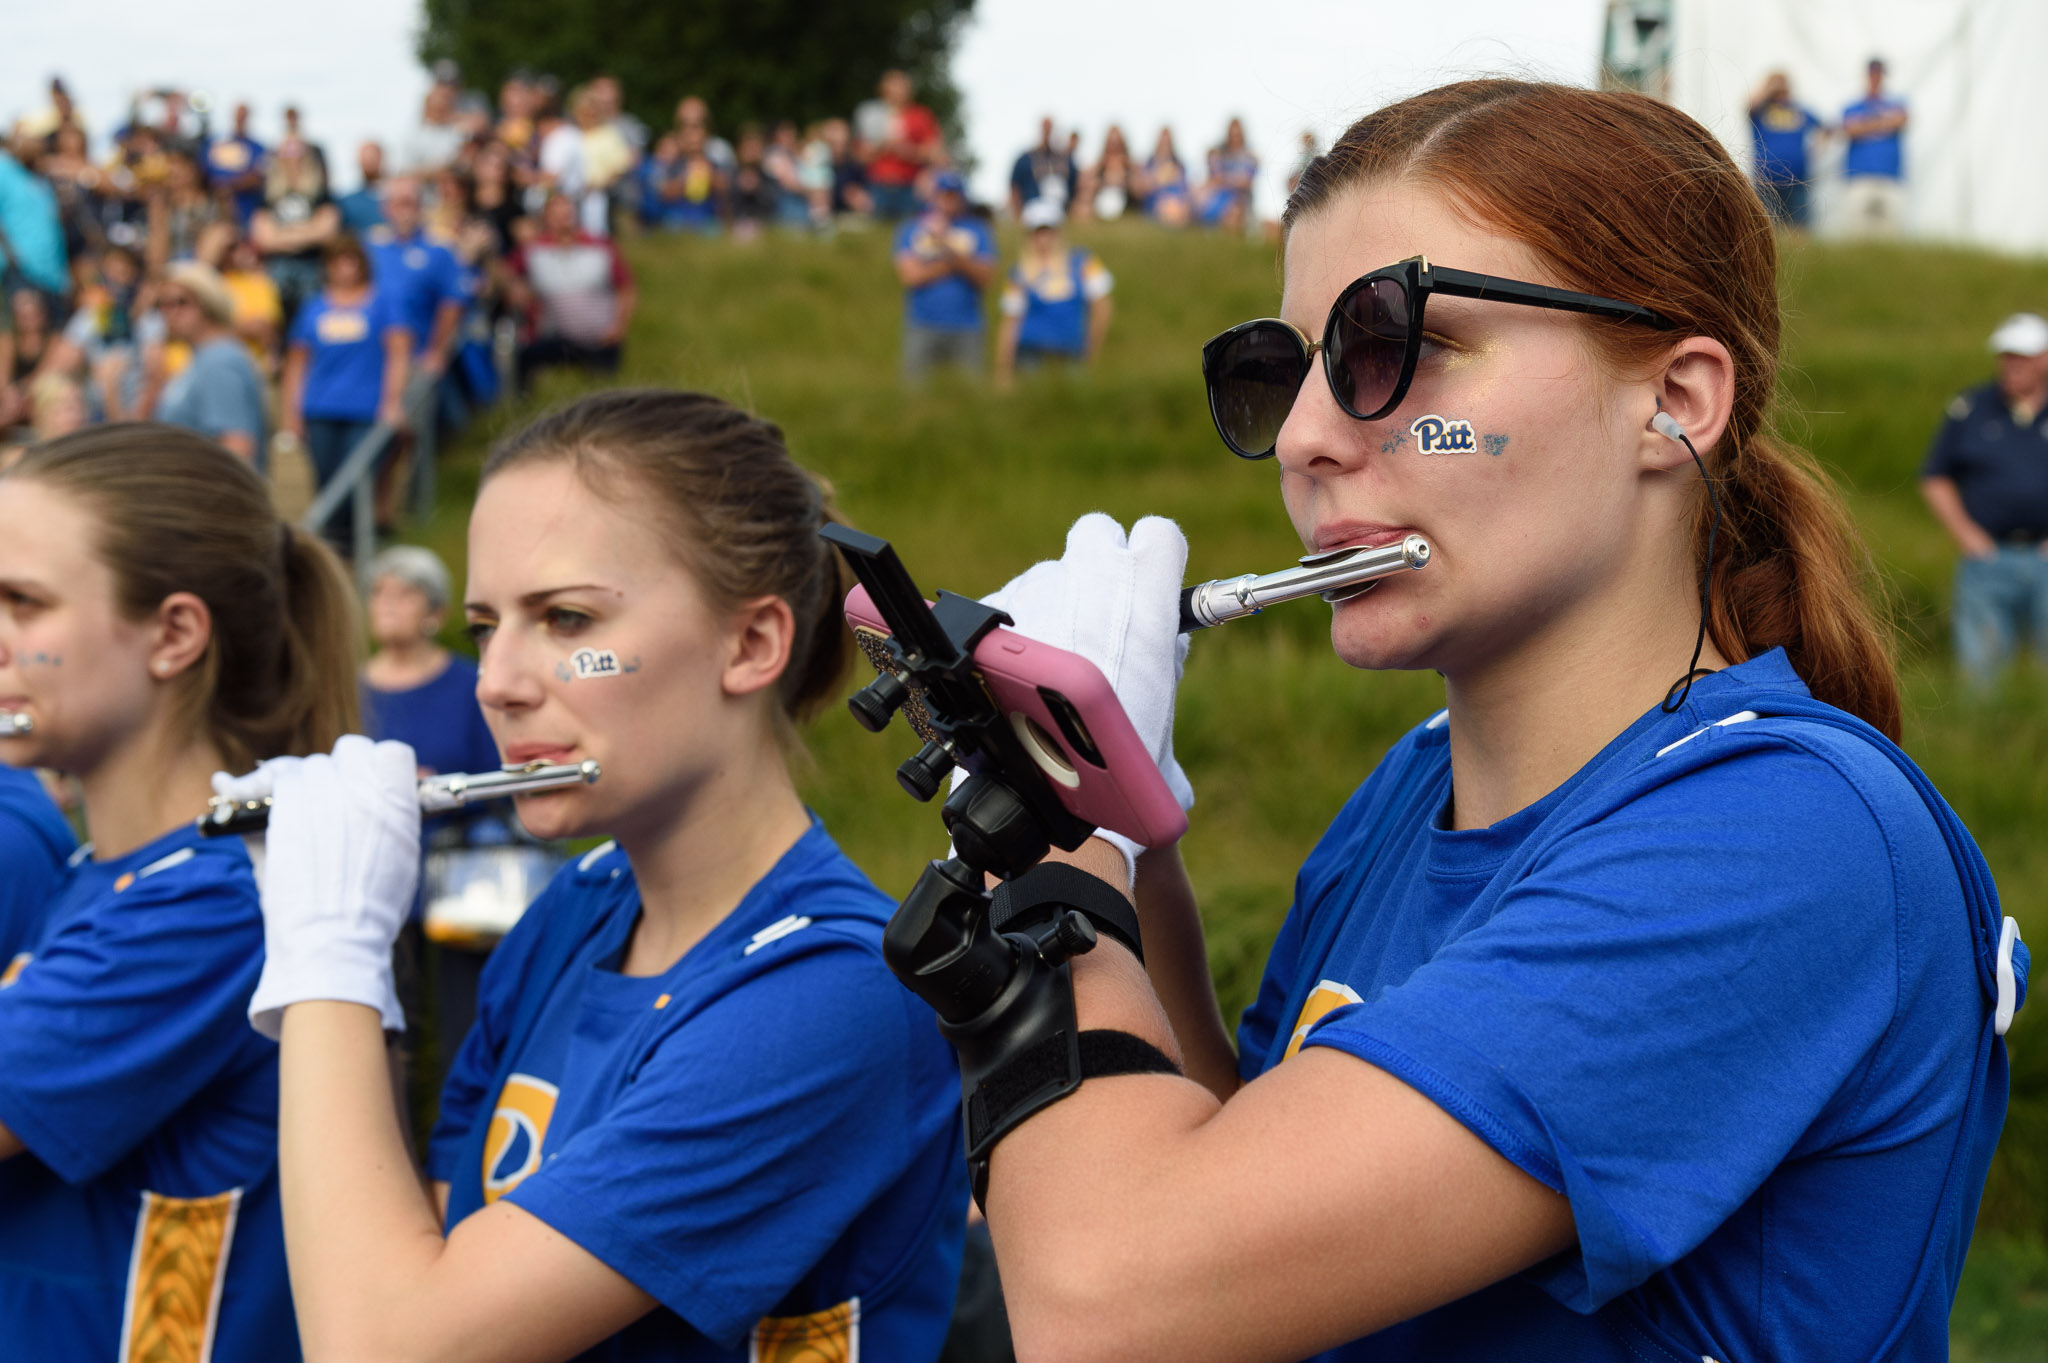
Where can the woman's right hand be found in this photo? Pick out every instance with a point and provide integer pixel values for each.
(341, 863)
(1115, 600)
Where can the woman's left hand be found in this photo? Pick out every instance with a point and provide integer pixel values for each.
(341, 864)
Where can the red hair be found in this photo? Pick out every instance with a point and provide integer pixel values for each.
(1627, 197)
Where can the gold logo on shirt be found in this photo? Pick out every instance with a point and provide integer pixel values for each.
(1327, 997)
(518, 1127)
(828, 1336)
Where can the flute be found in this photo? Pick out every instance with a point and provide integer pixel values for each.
(437, 794)
(1337, 575)
(14, 724)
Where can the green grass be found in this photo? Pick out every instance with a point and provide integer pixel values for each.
(1274, 731)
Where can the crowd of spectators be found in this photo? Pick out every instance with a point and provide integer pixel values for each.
(1784, 134)
(176, 267)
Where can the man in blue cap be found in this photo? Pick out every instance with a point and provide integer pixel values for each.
(945, 258)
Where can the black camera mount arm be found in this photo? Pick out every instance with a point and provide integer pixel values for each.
(1003, 990)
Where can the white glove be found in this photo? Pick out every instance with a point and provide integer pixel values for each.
(1116, 602)
(341, 864)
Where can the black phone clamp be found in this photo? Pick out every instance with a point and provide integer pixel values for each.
(1000, 982)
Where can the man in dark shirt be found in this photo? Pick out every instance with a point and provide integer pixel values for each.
(1986, 479)
(1042, 172)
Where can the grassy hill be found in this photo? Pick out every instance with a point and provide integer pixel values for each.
(1274, 731)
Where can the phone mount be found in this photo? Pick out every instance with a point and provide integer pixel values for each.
(1001, 987)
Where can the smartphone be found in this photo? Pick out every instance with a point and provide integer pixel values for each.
(1068, 719)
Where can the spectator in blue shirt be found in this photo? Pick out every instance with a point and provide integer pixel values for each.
(31, 229)
(235, 166)
(364, 208)
(944, 259)
(421, 274)
(1779, 130)
(219, 393)
(345, 369)
(1233, 166)
(1874, 197)
(1986, 479)
(681, 187)
(1056, 305)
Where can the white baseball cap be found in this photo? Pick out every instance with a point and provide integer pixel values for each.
(1045, 213)
(2023, 333)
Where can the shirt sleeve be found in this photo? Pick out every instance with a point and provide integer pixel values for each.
(126, 1014)
(1942, 460)
(1096, 280)
(223, 406)
(1660, 1011)
(708, 1185)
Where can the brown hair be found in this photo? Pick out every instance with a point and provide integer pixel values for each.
(743, 515)
(177, 513)
(1629, 198)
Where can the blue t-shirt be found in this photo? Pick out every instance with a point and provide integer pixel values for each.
(1720, 989)
(219, 393)
(439, 719)
(951, 302)
(148, 1107)
(361, 210)
(765, 1138)
(34, 841)
(1999, 466)
(421, 274)
(1875, 155)
(30, 221)
(344, 354)
(1780, 130)
(694, 206)
(228, 158)
(1051, 302)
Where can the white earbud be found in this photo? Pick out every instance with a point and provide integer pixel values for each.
(1666, 425)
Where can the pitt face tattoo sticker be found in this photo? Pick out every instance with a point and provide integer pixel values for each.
(591, 663)
(1443, 435)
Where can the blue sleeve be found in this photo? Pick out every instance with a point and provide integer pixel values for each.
(750, 1140)
(985, 242)
(127, 1012)
(34, 841)
(1660, 1012)
(447, 277)
(1942, 461)
(303, 326)
(224, 404)
(903, 235)
(1260, 1026)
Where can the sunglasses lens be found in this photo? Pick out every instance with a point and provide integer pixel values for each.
(1368, 340)
(1253, 378)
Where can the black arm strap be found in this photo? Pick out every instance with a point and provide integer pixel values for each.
(1055, 884)
(1000, 1099)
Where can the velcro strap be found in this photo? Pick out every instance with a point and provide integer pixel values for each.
(1104, 1052)
(1055, 883)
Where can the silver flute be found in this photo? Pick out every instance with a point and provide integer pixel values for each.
(1337, 575)
(14, 724)
(438, 794)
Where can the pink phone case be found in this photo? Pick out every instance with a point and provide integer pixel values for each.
(1059, 705)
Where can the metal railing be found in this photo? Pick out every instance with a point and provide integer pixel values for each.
(355, 481)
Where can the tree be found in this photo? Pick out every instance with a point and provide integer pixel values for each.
(753, 60)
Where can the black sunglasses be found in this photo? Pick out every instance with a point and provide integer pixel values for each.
(1370, 344)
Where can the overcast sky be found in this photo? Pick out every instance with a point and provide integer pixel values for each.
(1311, 64)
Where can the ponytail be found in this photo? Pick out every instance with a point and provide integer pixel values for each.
(178, 513)
(1629, 198)
(1791, 572)
(824, 646)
